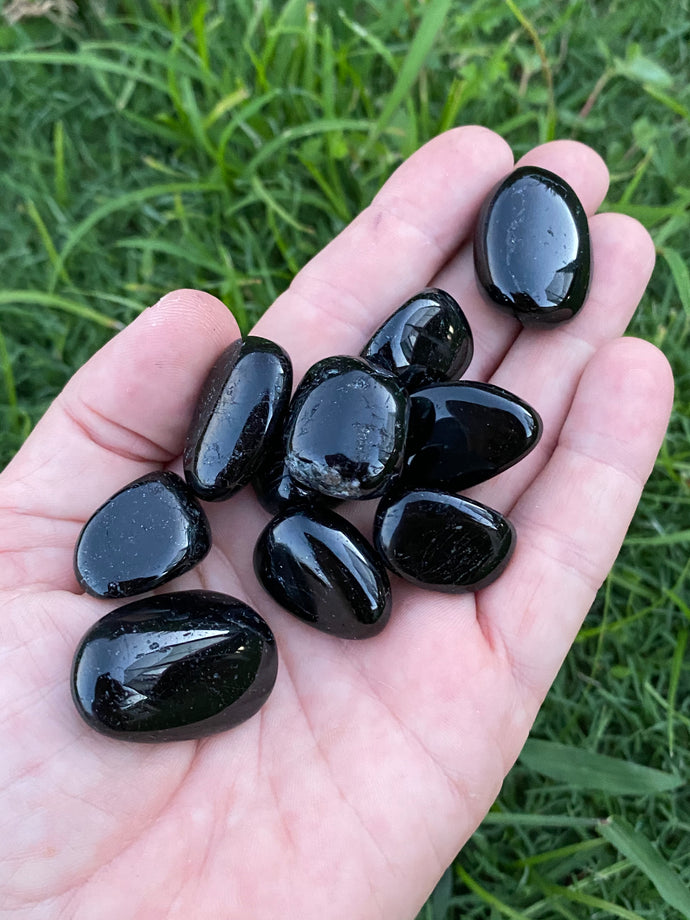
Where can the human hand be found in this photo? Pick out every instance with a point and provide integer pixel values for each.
(372, 762)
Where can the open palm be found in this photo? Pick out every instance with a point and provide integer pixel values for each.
(372, 762)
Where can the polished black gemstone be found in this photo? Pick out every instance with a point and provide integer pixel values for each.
(346, 428)
(239, 413)
(318, 566)
(428, 339)
(148, 533)
(441, 541)
(463, 433)
(531, 247)
(174, 667)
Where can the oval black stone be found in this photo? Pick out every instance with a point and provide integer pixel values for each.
(174, 667)
(532, 248)
(149, 532)
(426, 340)
(464, 433)
(346, 428)
(238, 414)
(441, 541)
(318, 566)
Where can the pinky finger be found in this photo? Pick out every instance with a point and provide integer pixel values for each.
(572, 520)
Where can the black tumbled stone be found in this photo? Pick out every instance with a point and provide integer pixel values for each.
(532, 247)
(149, 532)
(463, 433)
(426, 340)
(174, 667)
(346, 428)
(238, 415)
(442, 542)
(318, 566)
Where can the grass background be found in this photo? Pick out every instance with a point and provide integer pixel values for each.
(150, 145)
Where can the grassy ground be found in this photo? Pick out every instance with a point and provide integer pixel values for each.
(219, 145)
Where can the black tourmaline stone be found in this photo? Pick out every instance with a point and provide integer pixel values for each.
(315, 564)
(428, 339)
(531, 247)
(346, 428)
(174, 667)
(442, 542)
(463, 433)
(148, 533)
(238, 415)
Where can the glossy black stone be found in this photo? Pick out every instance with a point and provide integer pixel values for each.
(532, 249)
(463, 433)
(442, 542)
(346, 428)
(240, 409)
(148, 533)
(174, 667)
(426, 340)
(318, 566)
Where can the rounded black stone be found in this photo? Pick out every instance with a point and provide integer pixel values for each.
(426, 340)
(174, 667)
(318, 566)
(346, 428)
(149, 532)
(442, 542)
(239, 412)
(532, 248)
(464, 433)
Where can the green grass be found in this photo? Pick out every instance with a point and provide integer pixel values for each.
(219, 145)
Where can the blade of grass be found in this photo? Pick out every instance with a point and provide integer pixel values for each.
(422, 43)
(489, 899)
(639, 851)
(318, 126)
(46, 239)
(676, 669)
(59, 158)
(44, 299)
(180, 55)
(375, 43)
(245, 112)
(121, 202)
(580, 897)
(677, 107)
(587, 770)
(570, 850)
(681, 275)
(226, 104)
(264, 195)
(183, 252)
(81, 59)
(551, 112)
(8, 376)
(518, 819)
(662, 539)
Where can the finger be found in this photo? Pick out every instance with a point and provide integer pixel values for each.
(494, 331)
(572, 521)
(124, 413)
(391, 250)
(544, 366)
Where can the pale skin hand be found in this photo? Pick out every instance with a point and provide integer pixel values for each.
(372, 762)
